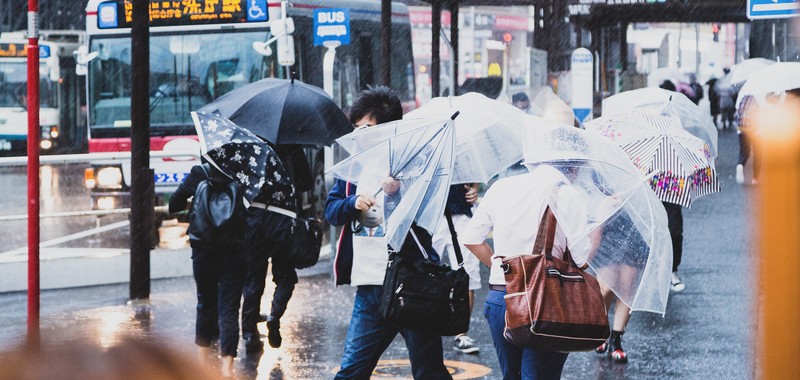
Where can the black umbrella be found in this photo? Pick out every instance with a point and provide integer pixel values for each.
(283, 112)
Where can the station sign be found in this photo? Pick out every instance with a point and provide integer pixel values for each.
(331, 24)
(584, 7)
(770, 9)
(118, 13)
(582, 72)
(19, 50)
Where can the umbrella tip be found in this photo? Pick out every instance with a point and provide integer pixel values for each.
(455, 115)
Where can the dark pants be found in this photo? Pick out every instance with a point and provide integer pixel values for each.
(219, 275)
(369, 335)
(745, 148)
(675, 224)
(267, 238)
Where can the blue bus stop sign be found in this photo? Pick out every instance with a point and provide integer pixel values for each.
(768, 9)
(331, 24)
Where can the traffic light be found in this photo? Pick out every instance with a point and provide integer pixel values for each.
(507, 37)
(715, 31)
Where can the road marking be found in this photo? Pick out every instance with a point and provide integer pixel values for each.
(67, 238)
(397, 369)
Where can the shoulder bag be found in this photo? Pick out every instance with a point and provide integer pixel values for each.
(551, 304)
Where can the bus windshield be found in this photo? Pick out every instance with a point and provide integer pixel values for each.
(14, 85)
(186, 72)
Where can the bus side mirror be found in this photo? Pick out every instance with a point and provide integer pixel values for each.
(82, 59)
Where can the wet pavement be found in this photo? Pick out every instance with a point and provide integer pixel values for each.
(705, 333)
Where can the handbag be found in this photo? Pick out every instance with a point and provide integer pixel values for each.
(305, 242)
(551, 304)
(424, 295)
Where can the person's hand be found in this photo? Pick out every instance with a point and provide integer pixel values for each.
(472, 193)
(390, 185)
(364, 202)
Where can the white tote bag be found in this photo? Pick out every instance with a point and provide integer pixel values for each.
(370, 257)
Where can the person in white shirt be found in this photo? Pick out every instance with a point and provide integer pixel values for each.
(512, 210)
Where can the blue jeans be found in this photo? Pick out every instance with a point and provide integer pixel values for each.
(369, 335)
(518, 362)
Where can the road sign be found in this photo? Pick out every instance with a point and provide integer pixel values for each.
(331, 24)
(769, 9)
(582, 84)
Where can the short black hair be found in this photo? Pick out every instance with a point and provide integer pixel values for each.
(379, 102)
(519, 97)
(668, 85)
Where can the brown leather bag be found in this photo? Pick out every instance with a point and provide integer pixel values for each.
(551, 304)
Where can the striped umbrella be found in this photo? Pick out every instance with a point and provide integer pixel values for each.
(678, 165)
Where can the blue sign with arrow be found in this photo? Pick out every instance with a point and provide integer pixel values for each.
(769, 9)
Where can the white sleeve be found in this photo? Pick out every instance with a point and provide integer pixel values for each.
(572, 215)
(481, 223)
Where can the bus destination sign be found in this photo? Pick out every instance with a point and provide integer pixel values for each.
(17, 50)
(118, 13)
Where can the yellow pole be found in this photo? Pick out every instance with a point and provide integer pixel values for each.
(778, 214)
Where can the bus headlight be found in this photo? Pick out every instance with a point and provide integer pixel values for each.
(109, 178)
(46, 144)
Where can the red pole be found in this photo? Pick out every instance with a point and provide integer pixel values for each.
(34, 132)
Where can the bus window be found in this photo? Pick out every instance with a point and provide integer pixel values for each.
(366, 72)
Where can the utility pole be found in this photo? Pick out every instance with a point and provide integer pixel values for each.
(142, 192)
(34, 134)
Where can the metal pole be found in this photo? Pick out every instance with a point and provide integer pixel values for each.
(34, 134)
(436, 28)
(386, 42)
(454, 44)
(142, 196)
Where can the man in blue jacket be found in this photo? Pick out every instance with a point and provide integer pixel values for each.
(368, 335)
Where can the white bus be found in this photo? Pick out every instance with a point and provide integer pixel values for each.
(202, 49)
(60, 94)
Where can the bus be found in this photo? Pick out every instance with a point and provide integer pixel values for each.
(61, 94)
(202, 49)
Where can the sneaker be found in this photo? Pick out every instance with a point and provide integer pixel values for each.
(466, 345)
(740, 174)
(274, 332)
(676, 284)
(253, 344)
(602, 349)
(615, 350)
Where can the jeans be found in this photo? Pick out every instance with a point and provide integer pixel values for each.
(518, 362)
(675, 225)
(368, 337)
(219, 275)
(267, 235)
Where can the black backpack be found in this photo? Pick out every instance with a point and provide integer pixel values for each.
(217, 215)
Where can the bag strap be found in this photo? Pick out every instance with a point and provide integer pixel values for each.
(454, 236)
(546, 234)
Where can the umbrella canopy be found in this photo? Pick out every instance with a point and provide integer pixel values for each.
(487, 133)
(554, 108)
(678, 163)
(235, 151)
(283, 112)
(743, 70)
(417, 154)
(658, 101)
(661, 74)
(776, 78)
(624, 229)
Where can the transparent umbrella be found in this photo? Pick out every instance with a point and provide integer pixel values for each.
(776, 78)
(624, 230)
(658, 101)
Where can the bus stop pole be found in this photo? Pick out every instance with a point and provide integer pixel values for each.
(454, 44)
(386, 42)
(436, 27)
(142, 190)
(34, 133)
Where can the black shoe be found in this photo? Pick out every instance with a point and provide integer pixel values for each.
(274, 332)
(253, 344)
(615, 349)
(261, 318)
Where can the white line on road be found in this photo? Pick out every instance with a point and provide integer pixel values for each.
(75, 236)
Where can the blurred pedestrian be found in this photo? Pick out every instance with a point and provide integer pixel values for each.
(713, 99)
(747, 130)
(269, 221)
(727, 101)
(361, 261)
(521, 101)
(511, 210)
(696, 88)
(460, 200)
(675, 226)
(218, 260)
(668, 85)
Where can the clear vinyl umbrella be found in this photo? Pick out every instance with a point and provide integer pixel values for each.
(659, 101)
(776, 78)
(624, 230)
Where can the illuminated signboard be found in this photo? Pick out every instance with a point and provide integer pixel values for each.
(118, 13)
(14, 50)
(584, 7)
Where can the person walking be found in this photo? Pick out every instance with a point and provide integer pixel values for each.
(746, 131)
(696, 88)
(218, 265)
(361, 258)
(713, 99)
(460, 200)
(269, 221)
(512, 209)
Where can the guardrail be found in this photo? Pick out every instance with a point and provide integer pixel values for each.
(7, 218)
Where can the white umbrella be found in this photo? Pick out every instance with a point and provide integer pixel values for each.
(658, 101)
(743, 70)
(776, 78)
(553, 107)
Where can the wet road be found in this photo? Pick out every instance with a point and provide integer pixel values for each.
(704, 335)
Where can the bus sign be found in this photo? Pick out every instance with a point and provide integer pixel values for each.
(17, 50)
(118, 13)
(331, 25)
